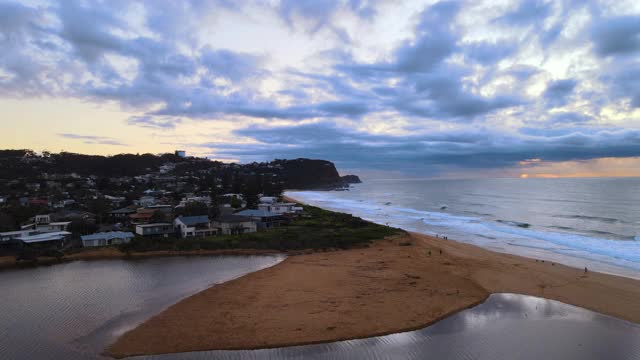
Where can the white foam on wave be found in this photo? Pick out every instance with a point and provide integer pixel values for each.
(624, 253)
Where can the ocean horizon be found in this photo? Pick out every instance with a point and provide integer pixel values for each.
(580, 222)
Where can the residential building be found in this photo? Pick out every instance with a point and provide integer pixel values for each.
(194, 226)
(43, 223)
(121, 214)
(141, 216)
(189, 199)
(107, 238)
(280, 208)
(234, 224)
(56, 238)
(155, 230)
(146, 200)
(268, 199)
(264, 219)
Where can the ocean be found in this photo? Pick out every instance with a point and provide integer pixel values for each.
(580, 222)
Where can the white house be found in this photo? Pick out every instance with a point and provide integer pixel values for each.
(146, 200)
(189, 199)
(155, 230)
(43, 224)
(280, 208)
(107, 238)
(194, 226)
(234, 224)
(263, 218)
(31, 236)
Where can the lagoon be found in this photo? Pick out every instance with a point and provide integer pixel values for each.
(74, 310)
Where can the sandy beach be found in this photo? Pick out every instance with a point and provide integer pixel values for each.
(397, 284)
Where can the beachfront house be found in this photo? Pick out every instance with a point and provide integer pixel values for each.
(30, 237)
(43, 223)
(234, 225)
(280, 208)
(155, 230)
(264, 219)
(194, 226)
(106, 238)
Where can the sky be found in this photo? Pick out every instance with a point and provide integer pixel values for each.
(422, 88)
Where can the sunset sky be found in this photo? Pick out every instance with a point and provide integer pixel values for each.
(442, 89)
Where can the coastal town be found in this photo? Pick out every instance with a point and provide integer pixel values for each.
(49, 207)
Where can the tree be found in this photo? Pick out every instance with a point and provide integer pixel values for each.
(251, 191)
(7, 222)
(195, 208)
(158, 216)
(82, 227)
(236, 203)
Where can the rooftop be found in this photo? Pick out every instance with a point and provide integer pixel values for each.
(256, 213)
(108, 235)
(51, 236)
(154, 225)
(193, 220)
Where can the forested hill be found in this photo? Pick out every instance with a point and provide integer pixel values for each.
(293, 174)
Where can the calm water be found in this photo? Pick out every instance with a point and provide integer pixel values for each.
(73, 310)
(505, 327)
(579, 222)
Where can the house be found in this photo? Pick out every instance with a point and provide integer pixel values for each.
(43, 223)
(194, 226)
(189, 199)
(107, 238)
(141, 216)
(121, 214)
(166, 209)
(280, 208)
(268, 199)
(146, 200)
(234, 224)
(264, 219)
(72, 214)
(116, 200)
(14, 235)
(155, 230)
(56, 238)
(3, 199)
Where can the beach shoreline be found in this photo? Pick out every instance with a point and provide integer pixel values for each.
(399, 284)
(112, 253)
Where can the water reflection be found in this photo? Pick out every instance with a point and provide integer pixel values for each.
(506, 326)
(73, 310)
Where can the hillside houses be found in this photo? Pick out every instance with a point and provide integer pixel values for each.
(145, 195)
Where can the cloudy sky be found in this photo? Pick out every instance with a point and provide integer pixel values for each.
(443, 89)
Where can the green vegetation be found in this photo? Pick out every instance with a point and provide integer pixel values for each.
(316, 229)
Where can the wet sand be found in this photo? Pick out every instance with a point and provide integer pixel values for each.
(395, 285)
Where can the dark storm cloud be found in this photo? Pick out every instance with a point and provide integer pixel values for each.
(479, 148)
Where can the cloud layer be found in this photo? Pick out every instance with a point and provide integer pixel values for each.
(451, 84)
